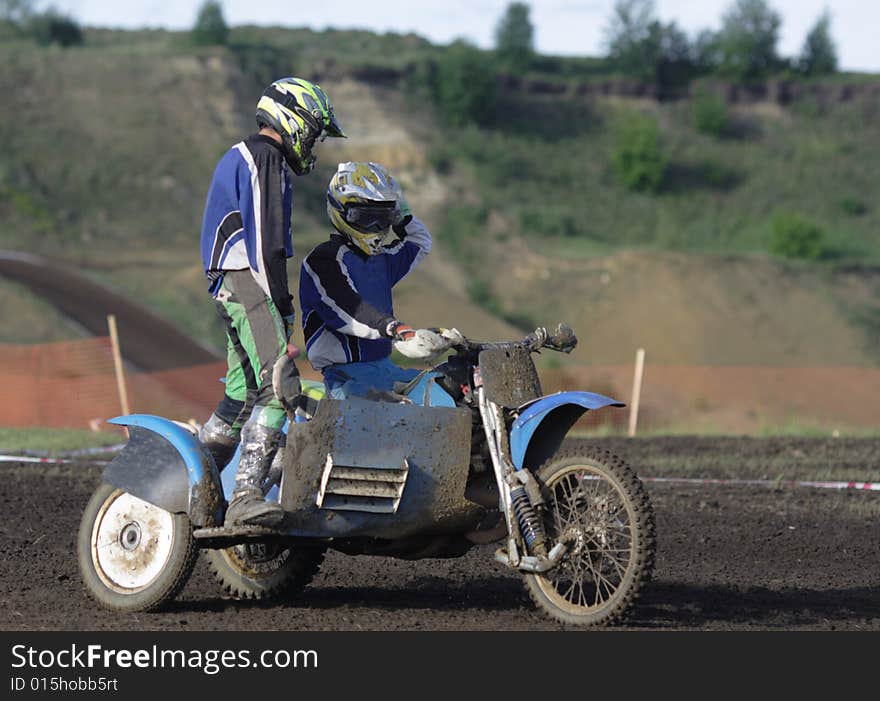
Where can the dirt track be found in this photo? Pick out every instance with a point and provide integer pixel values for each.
(729, 557)
(150, 342)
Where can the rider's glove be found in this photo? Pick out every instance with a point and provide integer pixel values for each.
(398, 331)
(402, 212)
(422, 344)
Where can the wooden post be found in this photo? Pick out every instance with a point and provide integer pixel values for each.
(117, 363)
(637, 391)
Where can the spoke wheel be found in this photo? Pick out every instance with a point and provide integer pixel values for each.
(133, 555)
(599, 508)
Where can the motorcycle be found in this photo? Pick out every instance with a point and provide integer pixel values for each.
(469, 452)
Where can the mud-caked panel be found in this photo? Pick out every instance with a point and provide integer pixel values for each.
(367, 436)
(509, 376)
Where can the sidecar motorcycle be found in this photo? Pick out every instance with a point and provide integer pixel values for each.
(470, 452)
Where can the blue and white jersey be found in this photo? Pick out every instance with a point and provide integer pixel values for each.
(247, 218)
(345, 296)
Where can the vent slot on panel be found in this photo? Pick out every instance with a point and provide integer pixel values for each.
(371, 489)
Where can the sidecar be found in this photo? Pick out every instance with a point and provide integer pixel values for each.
(361, 476)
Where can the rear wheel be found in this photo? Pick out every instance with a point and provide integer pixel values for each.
(264, 570)
(133, 555)
(597, 505)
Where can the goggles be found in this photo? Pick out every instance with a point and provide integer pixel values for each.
(371, 219)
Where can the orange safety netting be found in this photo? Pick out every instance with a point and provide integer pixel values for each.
(731, 399)
(57, 384)
(73, 384)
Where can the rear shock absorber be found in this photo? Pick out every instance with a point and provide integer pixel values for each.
(529, 521)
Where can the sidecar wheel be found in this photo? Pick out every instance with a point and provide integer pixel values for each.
(264, 570)
(597, 504)
(133, 555)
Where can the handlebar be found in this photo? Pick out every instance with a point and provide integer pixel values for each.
(562, 340)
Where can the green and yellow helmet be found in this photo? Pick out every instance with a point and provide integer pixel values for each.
(362, 204)
(301, 113)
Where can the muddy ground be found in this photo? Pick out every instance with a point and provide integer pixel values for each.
(729, 557)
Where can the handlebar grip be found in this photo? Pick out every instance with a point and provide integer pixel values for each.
(563, 340)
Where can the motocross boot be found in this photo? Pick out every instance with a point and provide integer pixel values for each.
(247, 505)
(219, 439)
(273, 476)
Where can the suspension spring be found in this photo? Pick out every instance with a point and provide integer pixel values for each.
(529, 521)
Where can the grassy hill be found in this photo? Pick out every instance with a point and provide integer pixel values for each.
(109, 149)
(718, 195)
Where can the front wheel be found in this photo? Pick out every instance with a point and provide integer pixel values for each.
(596, 505)
(133, 555)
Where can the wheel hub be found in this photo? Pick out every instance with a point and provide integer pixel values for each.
(131, 542)
(576, 539)
(599, 534)
(130, 536)
(258, 552)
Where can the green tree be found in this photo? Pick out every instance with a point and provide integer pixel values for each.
(640, 46)
(819, 55)
(795, 236)
(639, 159)
(16, 11)
(14, 15)
(747, 41)
(627, 34)
(210, 28)
(52, 27)
(465, 90)
(706, 52)
(670, 55)
(514, 37)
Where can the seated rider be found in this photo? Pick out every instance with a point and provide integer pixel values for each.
(345, 283)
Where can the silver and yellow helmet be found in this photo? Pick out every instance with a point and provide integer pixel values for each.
(362, 204)
(301, 113)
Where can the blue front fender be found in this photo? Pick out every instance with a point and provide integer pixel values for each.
(554, 415)
(164, 464)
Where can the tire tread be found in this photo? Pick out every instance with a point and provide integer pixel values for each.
(644, 525)
(307, 563)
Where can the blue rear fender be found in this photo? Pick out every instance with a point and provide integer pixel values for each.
(539, 430)
(164, 464)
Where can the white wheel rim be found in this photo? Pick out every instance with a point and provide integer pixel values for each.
(131, 542)
(604, 592)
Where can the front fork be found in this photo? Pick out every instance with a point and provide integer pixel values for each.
(519, 497)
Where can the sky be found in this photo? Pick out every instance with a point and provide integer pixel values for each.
(564, 27)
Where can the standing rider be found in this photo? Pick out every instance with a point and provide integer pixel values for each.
(246, 242)
(345, 283)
